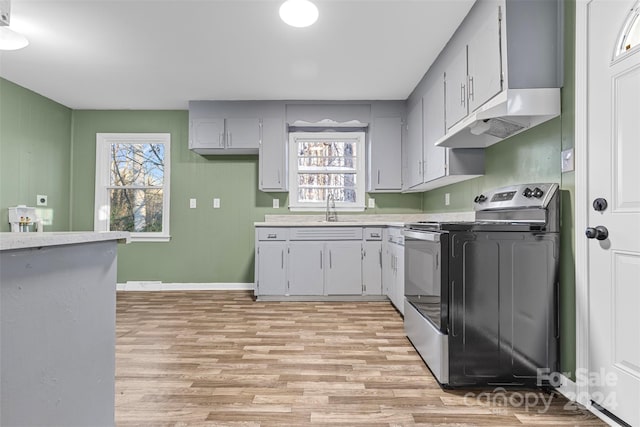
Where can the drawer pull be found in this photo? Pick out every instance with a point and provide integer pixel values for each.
(272, 236)
(375, 234)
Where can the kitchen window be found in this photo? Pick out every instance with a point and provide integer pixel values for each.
(323, 163)
(132, 184)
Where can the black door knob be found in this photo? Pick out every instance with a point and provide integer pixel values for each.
(600, 232)
(600, 204)
(481, 198)
(527, 192)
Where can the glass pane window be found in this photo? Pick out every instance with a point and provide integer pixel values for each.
(135, 210)
(630, 34)
(324, 163)
(132, 185)
(137, 164)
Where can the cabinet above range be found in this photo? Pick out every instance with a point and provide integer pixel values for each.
(502, 71)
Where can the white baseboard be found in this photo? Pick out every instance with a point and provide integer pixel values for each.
(159, 286)
(568, 388)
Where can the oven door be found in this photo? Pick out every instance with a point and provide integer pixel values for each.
(425, 278)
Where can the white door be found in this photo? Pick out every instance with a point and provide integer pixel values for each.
(613, 150)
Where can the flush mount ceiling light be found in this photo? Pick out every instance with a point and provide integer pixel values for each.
(9, 39)
(299, 13)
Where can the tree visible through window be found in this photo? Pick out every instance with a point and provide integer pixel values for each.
(136, 184)
(327, 163)
(132, 183)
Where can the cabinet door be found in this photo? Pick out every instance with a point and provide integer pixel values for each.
(399, 288)
(272, 155)
(388, 281)
(344, 274)
(242, 132)
(206, 133)
(272, 277)
(414, 144)
(306, 268)
(386, 154)
(456, 88)
(434, 157)
(485, 70)
(372, 268)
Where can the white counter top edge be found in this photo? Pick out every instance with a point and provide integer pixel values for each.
(390, 220)
(10, 241)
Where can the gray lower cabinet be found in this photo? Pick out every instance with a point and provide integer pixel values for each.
(393, 267)
(318, 261)
(306, 268)
(343, 275)
(272, 268)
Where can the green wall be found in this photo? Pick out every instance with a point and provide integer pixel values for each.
(35, 147)
(534, 156)
(207, 245)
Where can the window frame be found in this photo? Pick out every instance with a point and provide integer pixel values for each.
(360, 171)
(102, 204)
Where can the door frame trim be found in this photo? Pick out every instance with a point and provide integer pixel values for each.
(581, 199)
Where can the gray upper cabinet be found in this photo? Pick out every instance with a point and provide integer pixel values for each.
(435, 158)
(385, 147)
(272, 153)
(413, 150)
(456, 88)
(484, 62)
(224, 127)
(474, 73)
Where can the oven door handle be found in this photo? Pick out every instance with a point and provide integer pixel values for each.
(421, 235)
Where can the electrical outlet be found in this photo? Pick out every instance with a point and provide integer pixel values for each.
(276, 203)
(447, 199)
(216, 203)
(192, 203)
(41, 200)
(567, 160)
(372, 203)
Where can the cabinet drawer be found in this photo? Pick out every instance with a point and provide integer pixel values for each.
(373, 233)
(326, 233)
(272, 233)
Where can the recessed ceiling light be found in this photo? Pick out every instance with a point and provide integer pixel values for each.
(299, 13)
(10, 40)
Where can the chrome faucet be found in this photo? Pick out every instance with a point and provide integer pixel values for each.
(331, 215)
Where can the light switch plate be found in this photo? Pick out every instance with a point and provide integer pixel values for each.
(192, 203)
(276, 203)
(41, 200)
(372, 203)
(567, 160)
(216, 203)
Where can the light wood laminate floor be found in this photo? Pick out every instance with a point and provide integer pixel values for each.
(219, 358)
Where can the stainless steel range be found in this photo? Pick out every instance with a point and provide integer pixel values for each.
(481, 297)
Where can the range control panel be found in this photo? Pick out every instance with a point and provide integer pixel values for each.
(536, 195)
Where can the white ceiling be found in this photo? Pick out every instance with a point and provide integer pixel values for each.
(159, 54)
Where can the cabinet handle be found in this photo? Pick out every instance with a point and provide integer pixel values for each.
(220, 140)
(462, 94)
(375, 234)
(470, 88)
(378, 176)
(380, 256)
(272, 236)
(282, 259)
(229, 143)
(320, 260)
(330, 260)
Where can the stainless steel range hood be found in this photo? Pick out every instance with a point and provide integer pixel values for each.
(508, 113)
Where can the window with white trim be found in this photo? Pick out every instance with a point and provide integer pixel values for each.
(132, 184)
(323, 163)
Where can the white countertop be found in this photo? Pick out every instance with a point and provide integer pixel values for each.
(9, 241)
(390, 220)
